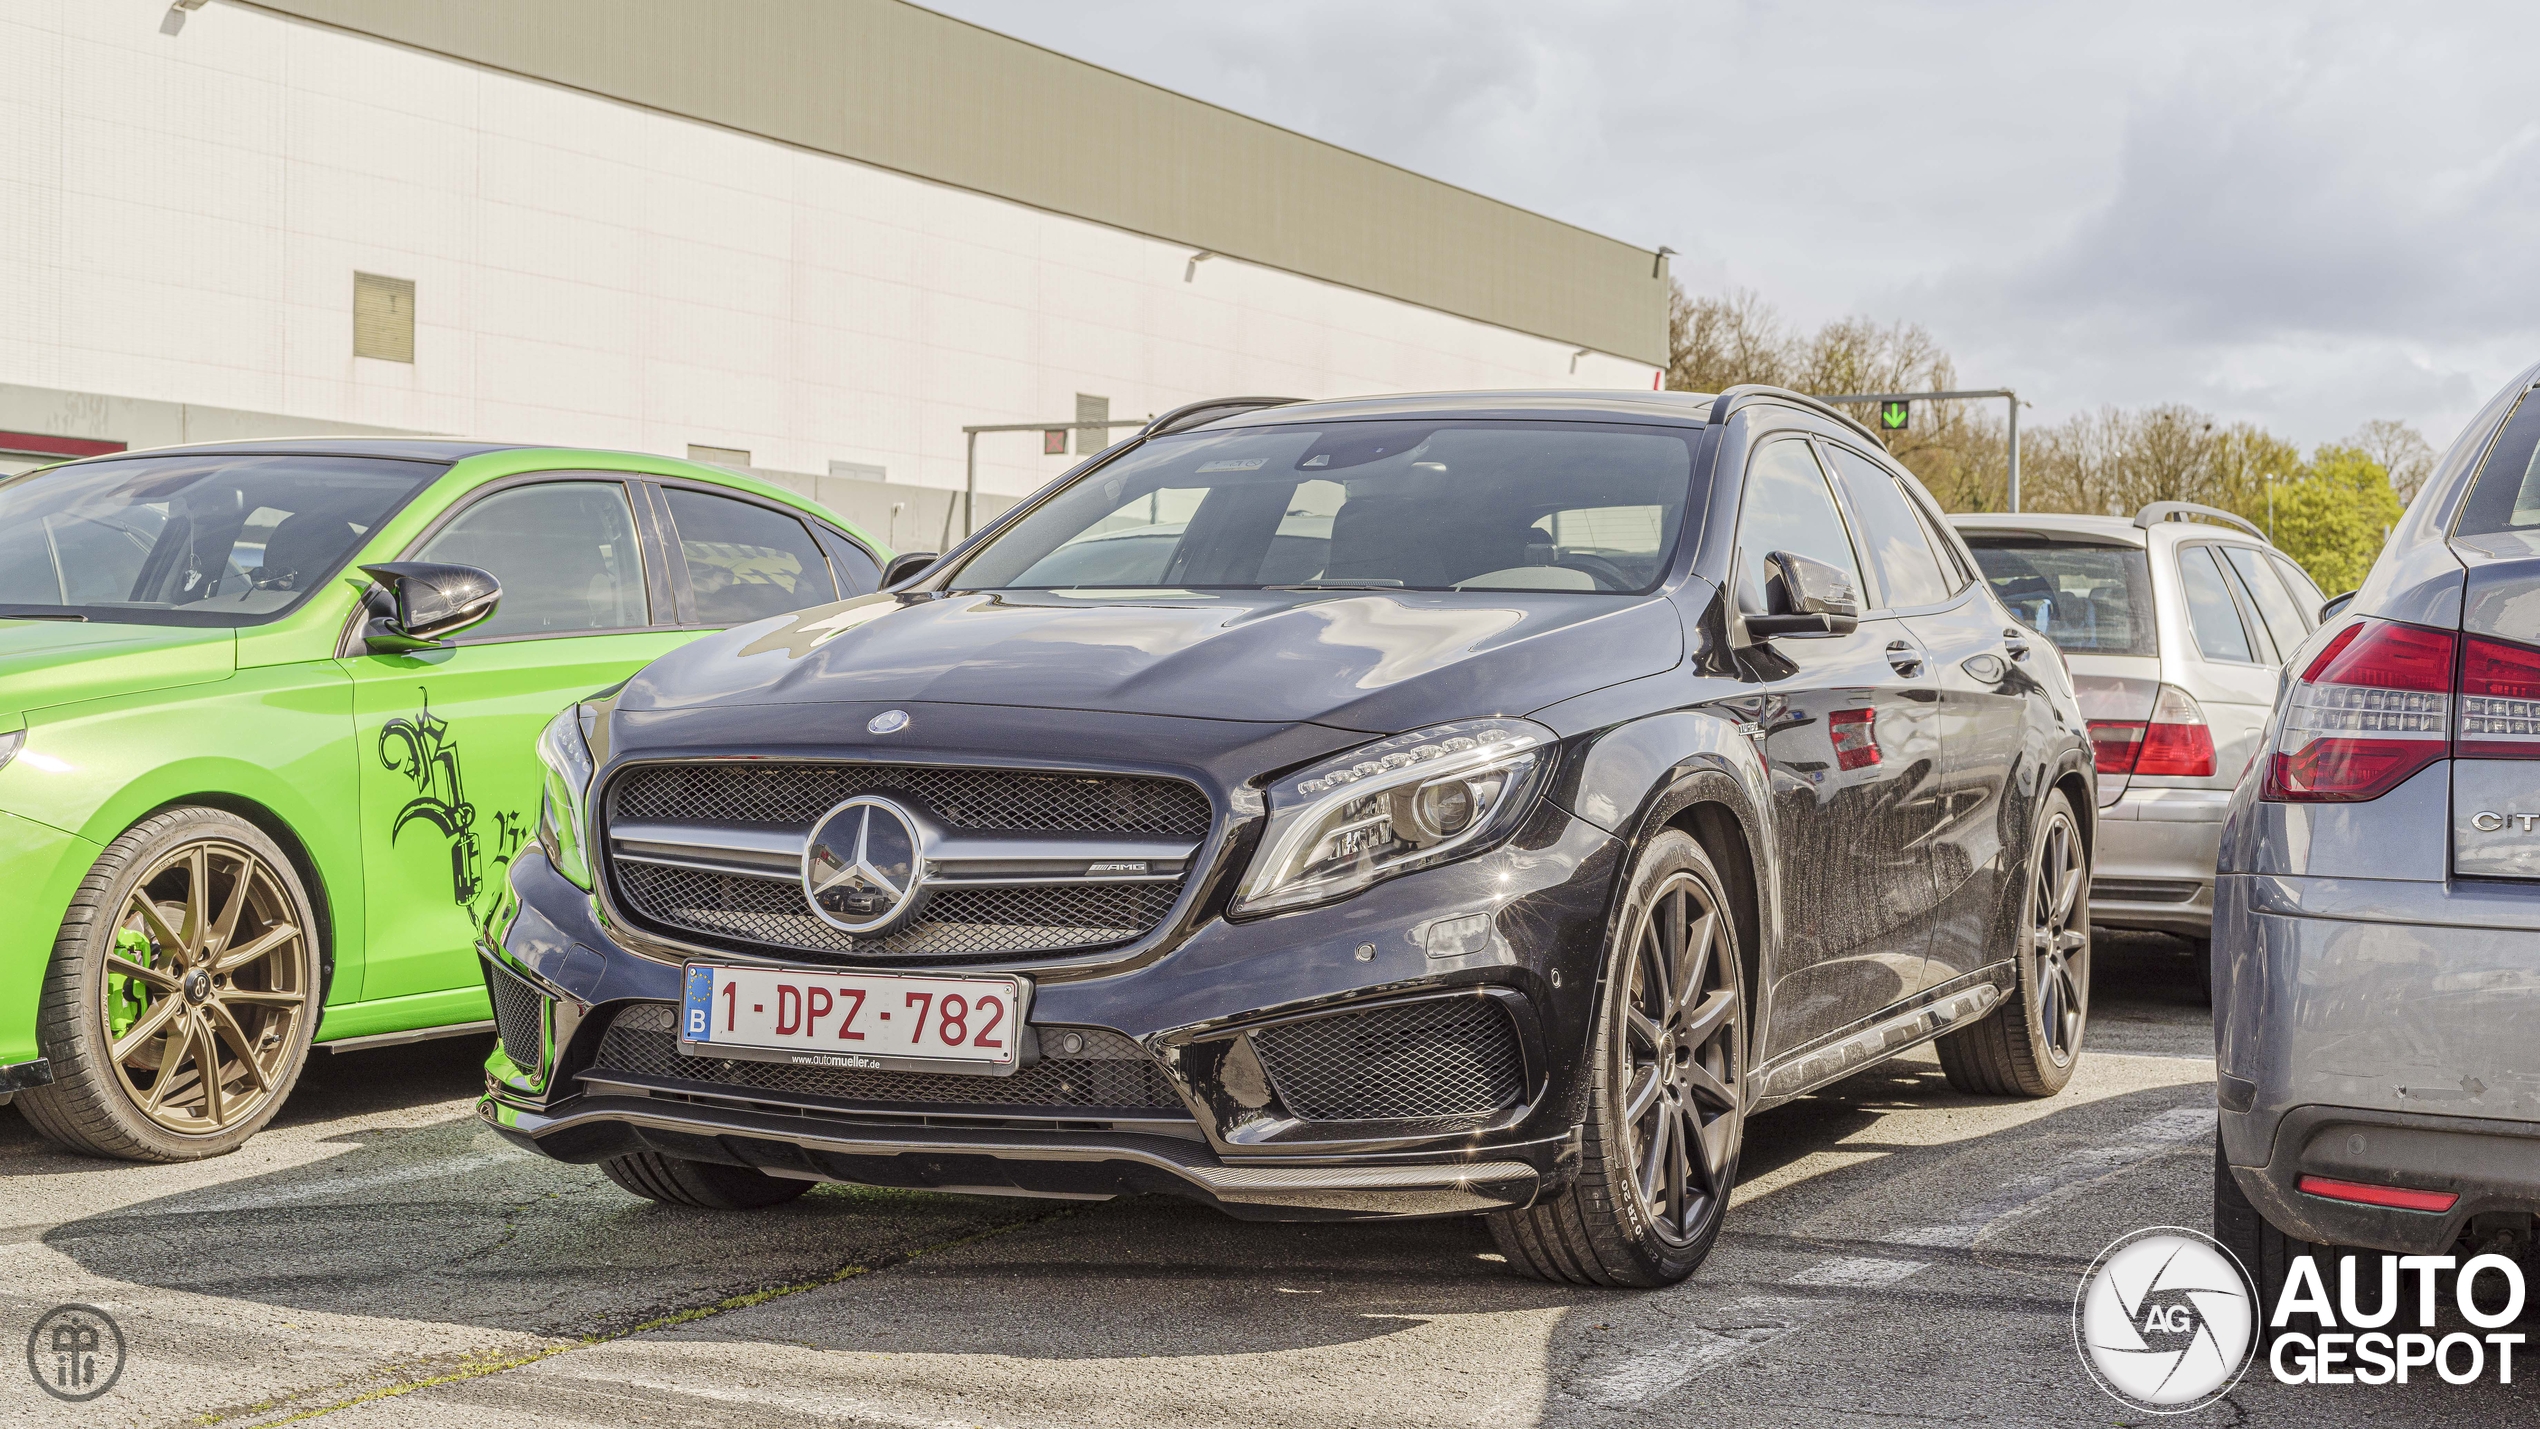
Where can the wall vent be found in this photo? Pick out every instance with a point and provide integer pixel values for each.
(383, 317)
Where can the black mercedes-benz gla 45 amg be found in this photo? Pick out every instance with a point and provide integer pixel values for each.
(1428, 805)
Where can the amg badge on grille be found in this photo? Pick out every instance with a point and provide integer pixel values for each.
(863, 866)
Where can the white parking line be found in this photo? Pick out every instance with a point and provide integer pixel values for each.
(1744, 1324)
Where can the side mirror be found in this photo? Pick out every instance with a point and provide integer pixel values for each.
(907, 566)
(427, 603)
(1806, 598)
(2335, 603)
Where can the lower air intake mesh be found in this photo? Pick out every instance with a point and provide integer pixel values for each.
(1109, 1073)
(1449, 1056)
(520, 1015)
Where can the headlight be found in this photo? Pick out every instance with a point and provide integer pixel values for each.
(9, 746)
(1402, 803)
(564, 748)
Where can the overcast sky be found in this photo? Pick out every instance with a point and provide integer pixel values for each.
(2303, 215)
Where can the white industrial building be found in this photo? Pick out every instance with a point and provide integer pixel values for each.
(817, 238)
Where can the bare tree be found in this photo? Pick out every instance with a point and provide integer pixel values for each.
(1715, 343)
(2402, 451)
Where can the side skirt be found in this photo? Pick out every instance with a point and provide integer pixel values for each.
(1930, 1013)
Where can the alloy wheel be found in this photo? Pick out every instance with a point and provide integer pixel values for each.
(1684, 1047)
(2059, 938)
(205, 988)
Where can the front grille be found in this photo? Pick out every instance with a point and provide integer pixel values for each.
(989, 800)
(956, 923)
(520, 1016)
(1110, 1075)
(1441, 1057)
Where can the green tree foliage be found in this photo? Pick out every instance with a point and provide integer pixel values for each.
(2335, 514)
(2330, 513)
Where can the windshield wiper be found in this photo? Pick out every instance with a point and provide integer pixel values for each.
(1344, 583)
(43, 615)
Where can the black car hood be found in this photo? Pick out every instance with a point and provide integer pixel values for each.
(1367, 661)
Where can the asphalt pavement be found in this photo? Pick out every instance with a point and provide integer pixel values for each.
(1897, 1253)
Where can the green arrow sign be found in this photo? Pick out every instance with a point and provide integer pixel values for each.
(1893, 415)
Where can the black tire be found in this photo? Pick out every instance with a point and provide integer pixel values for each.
(2030, 1043)
(101, 1105)
(2265, 1252)
(1673, 996)
(706, 1185)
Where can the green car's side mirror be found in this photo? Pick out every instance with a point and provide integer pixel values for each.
(427, 603)
(906, 567)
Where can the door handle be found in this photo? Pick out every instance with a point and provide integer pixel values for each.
(1904, 658)
(2015, 641)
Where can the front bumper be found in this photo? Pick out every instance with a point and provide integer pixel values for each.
(1229, 1130)
(1011, 1163)
(40, 866)
(2153, 866)
(2378, 1031)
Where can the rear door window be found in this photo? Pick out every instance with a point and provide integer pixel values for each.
(2283, 615)
(2089, 600)
(2304, 590)
(2211, 612)
(1900, 551)
(745, 561)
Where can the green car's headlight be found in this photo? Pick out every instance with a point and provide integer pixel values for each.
(564, 748)
(1386, 808)
(9, 746)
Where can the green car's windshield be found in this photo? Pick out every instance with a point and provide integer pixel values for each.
(190, 540)
(1381, 505)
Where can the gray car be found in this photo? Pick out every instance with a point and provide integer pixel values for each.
(2377, 913)
(2174, 623)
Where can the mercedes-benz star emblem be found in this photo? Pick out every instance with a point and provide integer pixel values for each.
(863, 865)
(887, 722)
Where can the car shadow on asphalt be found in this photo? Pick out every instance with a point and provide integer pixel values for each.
(444, 1222)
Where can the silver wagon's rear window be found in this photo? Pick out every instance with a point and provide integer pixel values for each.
(2089, 600)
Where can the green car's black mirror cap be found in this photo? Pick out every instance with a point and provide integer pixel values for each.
(429, 602)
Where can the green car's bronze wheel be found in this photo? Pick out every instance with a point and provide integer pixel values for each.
(182, 994)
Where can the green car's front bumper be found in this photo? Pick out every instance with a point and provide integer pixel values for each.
(40, 867)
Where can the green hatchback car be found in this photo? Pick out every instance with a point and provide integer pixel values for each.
(268, 716)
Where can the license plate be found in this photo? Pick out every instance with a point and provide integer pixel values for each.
(855, 1020)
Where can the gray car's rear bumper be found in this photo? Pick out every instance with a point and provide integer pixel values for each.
(2380, 1031)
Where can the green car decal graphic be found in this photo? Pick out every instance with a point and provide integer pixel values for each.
(422, 749)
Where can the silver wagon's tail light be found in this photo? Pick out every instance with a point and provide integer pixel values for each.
(2174, 743)
(2373, 709)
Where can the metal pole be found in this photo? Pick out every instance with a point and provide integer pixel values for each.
(2015, 452)
(969, 483)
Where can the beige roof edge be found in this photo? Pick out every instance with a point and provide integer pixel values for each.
(903, 88)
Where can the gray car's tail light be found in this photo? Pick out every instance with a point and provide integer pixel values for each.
(2373, 709)
(2500, 700)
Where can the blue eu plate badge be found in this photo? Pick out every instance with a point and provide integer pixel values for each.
(698, 1015)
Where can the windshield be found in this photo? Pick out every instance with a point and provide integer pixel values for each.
(2089, 600)
(1548, 506)
(192, 540)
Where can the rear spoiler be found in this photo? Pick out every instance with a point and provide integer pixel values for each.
(2160, 511)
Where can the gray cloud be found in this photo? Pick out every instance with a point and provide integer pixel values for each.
(2304, 215)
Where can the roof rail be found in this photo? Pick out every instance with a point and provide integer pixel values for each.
(1194, 414)
(2160, 511)
(1735, 397)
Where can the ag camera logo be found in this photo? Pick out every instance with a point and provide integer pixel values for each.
(2165, 1320)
